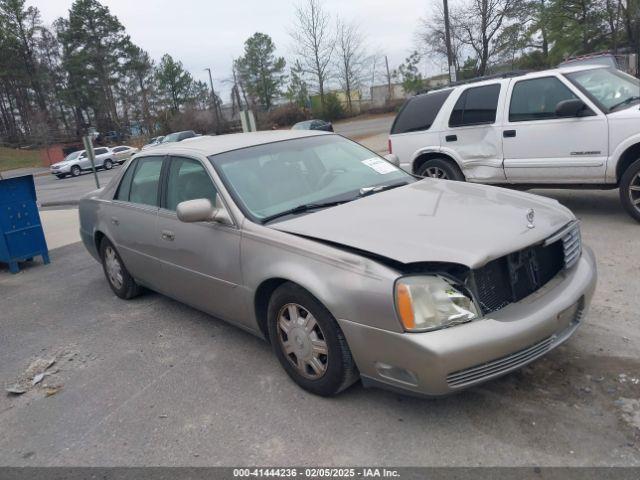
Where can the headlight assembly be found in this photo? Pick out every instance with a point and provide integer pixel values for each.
(431, 302)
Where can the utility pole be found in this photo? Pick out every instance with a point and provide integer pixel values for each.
(213, 99)
(447, 39)
(386, 62)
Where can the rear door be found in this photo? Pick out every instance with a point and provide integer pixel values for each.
(473, 132)
(539, 147)
(132, 217)
(200, 261)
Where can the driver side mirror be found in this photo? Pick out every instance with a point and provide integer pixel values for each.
(393, 159)
(201, 210)
(570, 108)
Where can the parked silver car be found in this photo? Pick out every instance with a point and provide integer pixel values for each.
(349, 266)
(77, 162)
(122, 153)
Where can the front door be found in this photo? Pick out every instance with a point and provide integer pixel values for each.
(542, 148)
(200, 261)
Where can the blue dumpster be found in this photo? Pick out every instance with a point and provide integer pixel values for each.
(21, 234)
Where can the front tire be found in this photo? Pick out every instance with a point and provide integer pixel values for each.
(630, 190)
(441, 169)
(61, 176)
(118, 277)
(308, 342)
(75, 171)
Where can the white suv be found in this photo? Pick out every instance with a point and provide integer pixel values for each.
(563, 128)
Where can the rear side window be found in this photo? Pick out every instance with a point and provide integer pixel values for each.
(140, 182)
(419, 112)
(537, 99)
(100, 151)
(476, 106)
(119, 149)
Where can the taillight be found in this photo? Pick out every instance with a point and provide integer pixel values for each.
(389, 144)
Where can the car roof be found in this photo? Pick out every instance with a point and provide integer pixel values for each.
(213, 144)
(525, 75)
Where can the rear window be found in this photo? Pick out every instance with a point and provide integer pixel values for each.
(476, 106)
(419, 112)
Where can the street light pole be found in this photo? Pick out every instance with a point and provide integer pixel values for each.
(213, 99)
(447, 39)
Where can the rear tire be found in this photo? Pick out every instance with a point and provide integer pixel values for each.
(118, 277)
(441, 169)
(314, 352)
(75, 171)
(630, 190)
(108, 164)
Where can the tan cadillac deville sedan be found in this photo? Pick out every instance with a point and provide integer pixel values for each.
(350, 267)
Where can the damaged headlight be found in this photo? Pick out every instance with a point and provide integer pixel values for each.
(431, 302)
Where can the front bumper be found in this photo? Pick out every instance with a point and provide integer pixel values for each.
(445, 361)
(60, 170)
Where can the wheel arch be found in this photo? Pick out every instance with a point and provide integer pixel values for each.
(630, 155)
(424, 157)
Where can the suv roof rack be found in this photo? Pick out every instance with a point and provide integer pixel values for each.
(509, 74)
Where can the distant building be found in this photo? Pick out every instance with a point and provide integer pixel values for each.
(382, 94)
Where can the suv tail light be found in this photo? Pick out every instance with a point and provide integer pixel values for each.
(389, 145)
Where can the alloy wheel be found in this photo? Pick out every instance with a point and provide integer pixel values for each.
(634, 191)
(113, 268)
(302, 341)
(436, 172)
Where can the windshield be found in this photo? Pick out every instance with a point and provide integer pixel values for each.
(608, 87)
(269, 179)
(73, 156)
(172, 137)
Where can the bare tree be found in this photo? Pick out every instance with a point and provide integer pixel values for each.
(351, 58)
(314, 42)
(430, 38)
(480, 24)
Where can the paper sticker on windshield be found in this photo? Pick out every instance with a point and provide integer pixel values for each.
(379, 165)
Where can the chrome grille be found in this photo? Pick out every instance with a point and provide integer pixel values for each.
(572, 243)
(496, 367)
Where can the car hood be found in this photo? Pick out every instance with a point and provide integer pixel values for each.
(435, 221)
(62, 163)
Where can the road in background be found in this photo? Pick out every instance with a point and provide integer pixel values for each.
(52, 190)
(365, 127)
(154, 382)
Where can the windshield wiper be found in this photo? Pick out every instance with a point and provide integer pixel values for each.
(366, 191)
(624, 102)
(303, 208)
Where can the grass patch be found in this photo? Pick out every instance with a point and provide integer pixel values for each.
(11, 158)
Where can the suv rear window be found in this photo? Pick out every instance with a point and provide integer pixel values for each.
(476, 106)
(419, 112)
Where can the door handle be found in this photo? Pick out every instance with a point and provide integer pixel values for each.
(167, 235)
(115, 221)
(451, 138)
(509, 133)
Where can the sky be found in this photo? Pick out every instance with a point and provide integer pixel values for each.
(211, 33)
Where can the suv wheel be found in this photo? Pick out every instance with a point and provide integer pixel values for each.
(308, 342)
(442, 169)
(75, 171)
(108, 164)
(120, 281)
(630, 190)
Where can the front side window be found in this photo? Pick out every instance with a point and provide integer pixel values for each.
(187, 180)
(476, 106)
(145, 181)
(610, 88)
(420, 112)
(266, 180)
(537, 99)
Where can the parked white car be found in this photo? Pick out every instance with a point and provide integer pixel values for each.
(563, 128)
(122, 153)
(76, 162)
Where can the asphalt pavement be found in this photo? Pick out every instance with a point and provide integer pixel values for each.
(365, 127)
(153, 382)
